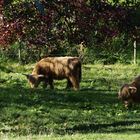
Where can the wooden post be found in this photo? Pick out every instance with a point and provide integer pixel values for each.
(81, 50)
(135, 51)
(19, 51)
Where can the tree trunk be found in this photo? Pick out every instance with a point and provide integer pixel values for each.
(1, 13)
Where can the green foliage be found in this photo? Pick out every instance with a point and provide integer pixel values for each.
(135, 17)
(125, 2)
(56, 28)
(33, 53)
(117, 49)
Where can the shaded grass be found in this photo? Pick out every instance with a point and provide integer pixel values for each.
(94, 109)
(55, 112)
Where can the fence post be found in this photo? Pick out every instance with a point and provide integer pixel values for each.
(19, 51)
(135, 51)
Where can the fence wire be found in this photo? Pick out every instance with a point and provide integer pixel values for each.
(92, 57)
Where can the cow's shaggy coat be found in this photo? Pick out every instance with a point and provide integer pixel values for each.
(56, 68)
(130, 93)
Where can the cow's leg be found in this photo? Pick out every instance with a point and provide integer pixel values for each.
(75, 82)
(51, 84)
(45, 83)
(128, 104)
(69, 84)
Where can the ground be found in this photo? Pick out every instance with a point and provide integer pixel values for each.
(93, 112)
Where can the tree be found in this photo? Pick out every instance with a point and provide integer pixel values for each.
(56, 24)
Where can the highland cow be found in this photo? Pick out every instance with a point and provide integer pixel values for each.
(56, 68)
(130, 93)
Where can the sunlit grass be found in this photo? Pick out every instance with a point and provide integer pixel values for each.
(90, 136)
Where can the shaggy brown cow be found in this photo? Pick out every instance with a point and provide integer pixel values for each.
(58, 68)
(130, 93)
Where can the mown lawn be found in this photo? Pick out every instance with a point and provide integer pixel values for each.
(94, 112)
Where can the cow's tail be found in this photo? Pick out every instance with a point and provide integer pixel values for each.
(80, 71)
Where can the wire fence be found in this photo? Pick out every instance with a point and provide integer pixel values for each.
(24, 57)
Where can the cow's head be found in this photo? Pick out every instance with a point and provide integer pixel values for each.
(34, 79)
(126, 94)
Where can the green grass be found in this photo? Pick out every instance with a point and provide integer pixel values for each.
(94, 112)
(90, 136)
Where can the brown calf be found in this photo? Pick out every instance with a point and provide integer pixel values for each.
(130, 93)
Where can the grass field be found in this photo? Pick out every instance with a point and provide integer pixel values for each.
(94, 112)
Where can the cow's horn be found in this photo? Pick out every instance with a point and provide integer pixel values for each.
(133, 88)
(41, 75)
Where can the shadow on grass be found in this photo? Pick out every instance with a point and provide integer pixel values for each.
(4, 69)
(59, 107)
(115, 127)
(56, 98)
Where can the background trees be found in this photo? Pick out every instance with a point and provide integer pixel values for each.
(46, 27)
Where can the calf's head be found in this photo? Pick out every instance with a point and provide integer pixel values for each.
(34, 79)
(126, 94)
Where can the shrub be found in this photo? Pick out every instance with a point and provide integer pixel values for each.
(117, 49)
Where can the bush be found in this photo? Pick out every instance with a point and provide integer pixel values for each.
(117, 49)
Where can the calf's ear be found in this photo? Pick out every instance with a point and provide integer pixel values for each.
(133, 90)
